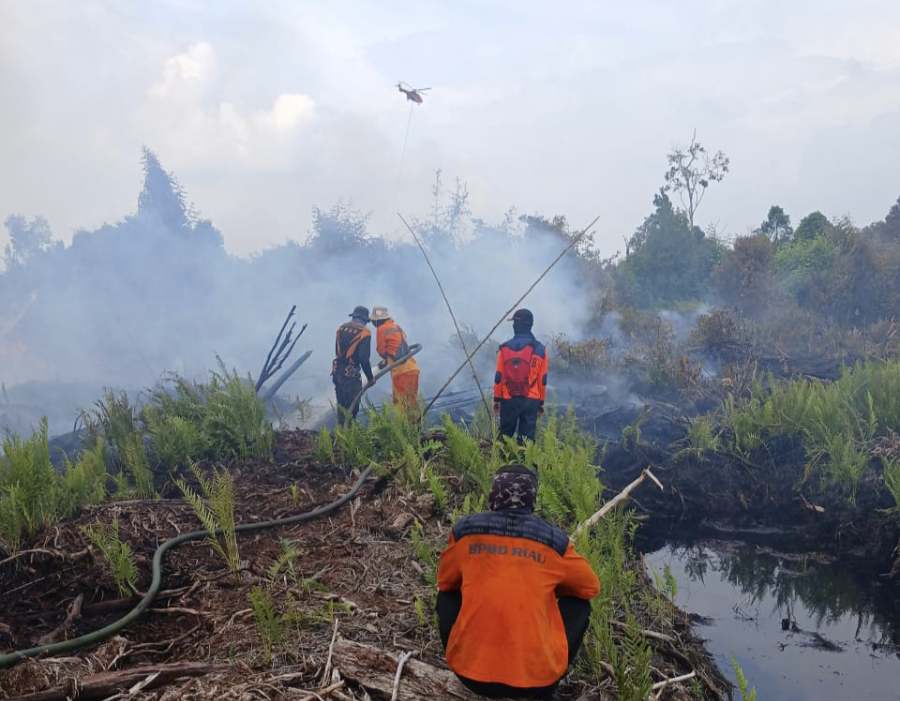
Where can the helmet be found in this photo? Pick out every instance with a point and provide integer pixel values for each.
(380, 314)
(361, 313)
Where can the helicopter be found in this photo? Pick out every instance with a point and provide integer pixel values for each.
(412, 94)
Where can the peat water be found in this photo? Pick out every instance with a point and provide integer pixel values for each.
(800, 628)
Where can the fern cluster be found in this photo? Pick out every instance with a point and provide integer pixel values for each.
(835, 422)
(892, 479)
(34, 495)
(564, 456)
(116, 552)
(115, 422)
(271, 625)
(214, 506)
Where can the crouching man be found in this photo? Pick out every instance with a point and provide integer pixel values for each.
(513, 595)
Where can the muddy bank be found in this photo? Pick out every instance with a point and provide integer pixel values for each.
(719, 496)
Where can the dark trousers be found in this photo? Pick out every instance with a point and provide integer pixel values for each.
(518, 417)
(345, 391)
(576, 615)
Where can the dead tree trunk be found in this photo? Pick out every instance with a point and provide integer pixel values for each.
(374, 669)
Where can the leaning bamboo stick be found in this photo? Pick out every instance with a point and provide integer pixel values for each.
(620, 498)
(459, 334)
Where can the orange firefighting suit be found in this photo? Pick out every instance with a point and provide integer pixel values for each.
(390, 342)
(510, 567)
(520, 384)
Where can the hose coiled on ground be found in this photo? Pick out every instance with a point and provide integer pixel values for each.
(8, 660)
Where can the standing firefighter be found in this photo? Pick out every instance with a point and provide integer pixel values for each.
(390, 342)
(520, 384)
(352, 347)
(514, 597)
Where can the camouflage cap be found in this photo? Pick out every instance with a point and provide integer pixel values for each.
(513, 487)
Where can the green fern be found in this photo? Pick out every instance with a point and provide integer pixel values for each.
(892, 479)
(747, 694)
(83, 482)
(286, 562)
(215, 509)
(234, 418)
(270, 624)
(116, 552)
(176, 441)
(325, 447)
(29, 491)
(630, 661)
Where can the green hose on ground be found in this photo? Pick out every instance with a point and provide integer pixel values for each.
(8, 660)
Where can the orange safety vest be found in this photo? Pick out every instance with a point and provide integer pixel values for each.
(390, 342)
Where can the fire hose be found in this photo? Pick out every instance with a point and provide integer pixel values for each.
(8, 660)
(413, 349)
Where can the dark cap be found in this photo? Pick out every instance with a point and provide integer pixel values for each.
(361, 313)
(523, 316)
(513, 487)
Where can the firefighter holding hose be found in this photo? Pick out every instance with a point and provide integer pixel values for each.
(352, 347)
(520, 383)
(391, 343)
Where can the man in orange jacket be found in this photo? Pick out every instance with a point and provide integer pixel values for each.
(520, 383)
(390, 342)
(513, 595)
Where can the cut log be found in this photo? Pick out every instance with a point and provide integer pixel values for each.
(100, 686)
(375, 669)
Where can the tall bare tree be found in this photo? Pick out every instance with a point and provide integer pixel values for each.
(690, 172)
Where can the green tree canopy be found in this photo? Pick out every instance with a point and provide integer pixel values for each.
(667, 260)
(777, 225)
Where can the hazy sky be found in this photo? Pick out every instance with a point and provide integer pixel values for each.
(264, 110)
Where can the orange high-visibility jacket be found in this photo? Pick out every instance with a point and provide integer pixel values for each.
(510, 567)
(537, 375)
(389, 341)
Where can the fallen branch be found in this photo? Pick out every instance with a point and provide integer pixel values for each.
(99, 686)
(53, 553)
(108, 605)
(376, 670)
(72, 615)
(327, 672)
(404, 658)
(321, 693)
(620, 498)
(646, 633)
(674, 680)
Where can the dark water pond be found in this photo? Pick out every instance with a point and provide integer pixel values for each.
(843, 630)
